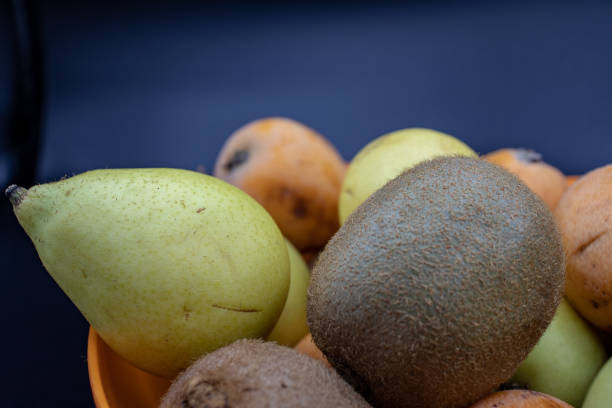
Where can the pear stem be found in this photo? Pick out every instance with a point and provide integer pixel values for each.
(15, 194)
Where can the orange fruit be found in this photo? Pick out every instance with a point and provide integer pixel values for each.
(584, 216)
(543, 179)
(520, 399)
(292, 171)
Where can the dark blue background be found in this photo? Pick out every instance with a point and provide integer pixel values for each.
(139, 84)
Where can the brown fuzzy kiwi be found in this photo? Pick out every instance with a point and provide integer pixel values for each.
(438, 285)
(254, 373)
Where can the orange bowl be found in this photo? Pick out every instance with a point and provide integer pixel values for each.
(115, 383)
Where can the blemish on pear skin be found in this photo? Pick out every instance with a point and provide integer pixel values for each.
(199, 210)
(186, 312)
(236, 309)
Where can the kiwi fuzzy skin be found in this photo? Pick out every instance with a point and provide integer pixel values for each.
(438, 285)
(257, 374)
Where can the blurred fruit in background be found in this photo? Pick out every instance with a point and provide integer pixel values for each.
(292, 171)
(543, 179)
(584, 216)
(387, 156)
(571, 179)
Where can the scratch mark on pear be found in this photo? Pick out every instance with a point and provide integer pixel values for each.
(236, 309)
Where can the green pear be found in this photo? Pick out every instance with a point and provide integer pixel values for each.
(565, 360)
(291, 326)
(600, 391)
(165, 264)
(387, 156)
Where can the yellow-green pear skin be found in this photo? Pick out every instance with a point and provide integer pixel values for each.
(565, 360)
(600, 391)
(165, 264)
(387, 156)
(291, 326)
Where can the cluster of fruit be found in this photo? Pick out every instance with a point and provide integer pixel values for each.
(420, 274)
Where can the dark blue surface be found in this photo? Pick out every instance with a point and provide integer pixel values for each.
(7, 73)
(165, 84)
